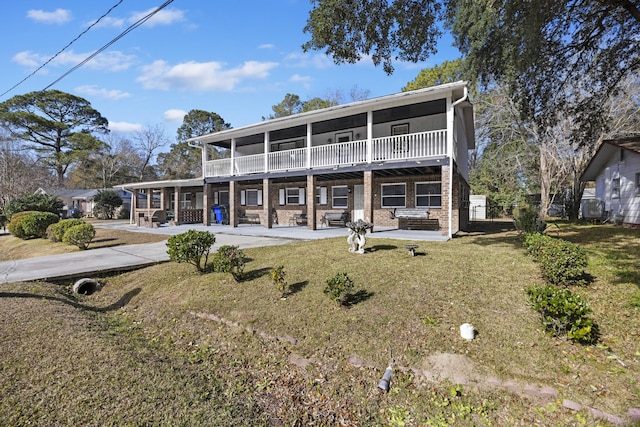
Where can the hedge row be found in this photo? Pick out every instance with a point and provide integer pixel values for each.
(562, 262)
(46, 225)
(562, 311)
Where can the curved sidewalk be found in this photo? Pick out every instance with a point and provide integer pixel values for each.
(93, 261)
(77, 264)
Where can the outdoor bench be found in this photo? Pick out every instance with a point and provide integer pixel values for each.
(335, 218)
(298, 219)
(414, 219)
(249, 218)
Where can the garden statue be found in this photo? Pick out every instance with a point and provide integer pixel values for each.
(356, 235)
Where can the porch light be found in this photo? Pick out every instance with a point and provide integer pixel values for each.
(329, 140)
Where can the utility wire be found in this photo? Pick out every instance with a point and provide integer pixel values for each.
(63, 49)
(103, 48)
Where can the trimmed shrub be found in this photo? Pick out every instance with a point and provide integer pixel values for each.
(229, 259)
(31, 224)
(192, 247)
(528, 221)
(55, 232)
(15, 224)
(338, 287)
(533, 242)
(562, 262)
(79, 235)
(35, 224)
(563, 312)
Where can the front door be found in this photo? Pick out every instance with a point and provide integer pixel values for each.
(358, 202)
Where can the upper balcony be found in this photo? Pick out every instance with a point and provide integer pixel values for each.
(407, 147)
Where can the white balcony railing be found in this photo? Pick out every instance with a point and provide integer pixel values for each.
(389, 148)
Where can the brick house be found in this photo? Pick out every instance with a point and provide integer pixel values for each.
(364, 160)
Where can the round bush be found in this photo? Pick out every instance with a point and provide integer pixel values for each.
(56, 231)
(15, 224)
(31, 225)
(192, 247)
(79, 235)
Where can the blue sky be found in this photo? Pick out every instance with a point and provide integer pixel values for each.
(236, 58)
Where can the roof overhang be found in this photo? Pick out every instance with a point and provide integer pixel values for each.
(388, 101)
(607, 149)
(195, 182)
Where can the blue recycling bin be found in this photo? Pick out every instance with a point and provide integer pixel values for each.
(218, 214)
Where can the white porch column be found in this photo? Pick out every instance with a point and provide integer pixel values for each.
(233, 156)
(308, 151)
(450, 125)
(266, 152)
(369, 136)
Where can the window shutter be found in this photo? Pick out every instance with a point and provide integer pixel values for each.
(259, 197)
(282, 200)
(215, 198)
(301, 198)
(243, 198)
(323, 195)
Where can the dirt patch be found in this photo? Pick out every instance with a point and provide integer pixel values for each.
(457, 368)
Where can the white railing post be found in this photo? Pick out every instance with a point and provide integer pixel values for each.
(369, 136)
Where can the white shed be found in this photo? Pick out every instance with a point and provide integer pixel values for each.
(477, 207)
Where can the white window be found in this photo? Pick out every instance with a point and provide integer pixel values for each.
(339, 196)
(394, 195)
(291, 196)
(429, 194)
(251, 197)
(615, 188)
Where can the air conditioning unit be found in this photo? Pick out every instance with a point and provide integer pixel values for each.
(592, 209)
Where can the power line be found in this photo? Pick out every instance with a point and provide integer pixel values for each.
(63, 49)
(103, 48)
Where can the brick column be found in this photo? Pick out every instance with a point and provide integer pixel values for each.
(311, 202)
(207, 203)
(368, 196)
(266, 203)
(234, 200)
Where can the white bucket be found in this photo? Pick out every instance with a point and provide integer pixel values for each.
(467, 331)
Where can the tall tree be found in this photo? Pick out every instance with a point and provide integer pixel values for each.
(292, 104)
(58, 126)
(184, 161)
(535, 48)
(20, 173)
(148, 141)
(447, 72)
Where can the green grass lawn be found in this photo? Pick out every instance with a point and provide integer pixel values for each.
(166, 345)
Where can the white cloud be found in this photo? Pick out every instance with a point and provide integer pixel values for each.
(112, 94)
(59, 16)
(164, 17)
(201, 76)
(107, 22)
(304, 60)
(107, 61)
(297, 78)
(174, 115)
(267, 46)
(124, 127)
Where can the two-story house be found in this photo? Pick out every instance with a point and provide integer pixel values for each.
(363, 160)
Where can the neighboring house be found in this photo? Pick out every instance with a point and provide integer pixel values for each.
(615, 168)
(363, 159)
(77, 202)
(80, 202)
